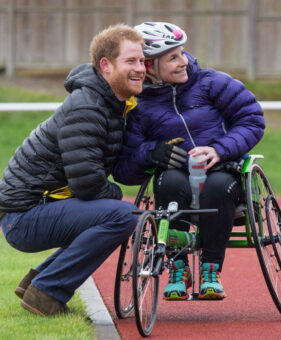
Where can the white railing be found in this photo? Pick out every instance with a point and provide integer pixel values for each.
(266, 105)
(29, 106)
(271, 105)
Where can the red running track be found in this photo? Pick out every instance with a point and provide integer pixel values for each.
(247, 313)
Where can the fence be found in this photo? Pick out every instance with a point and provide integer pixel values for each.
(242, 37)
(266, 105)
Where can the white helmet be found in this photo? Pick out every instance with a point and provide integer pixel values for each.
(160, 37)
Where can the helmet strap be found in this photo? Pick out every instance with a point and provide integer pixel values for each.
(156, 79)
(156, 68)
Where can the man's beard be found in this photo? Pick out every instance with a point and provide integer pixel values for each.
(121, 87)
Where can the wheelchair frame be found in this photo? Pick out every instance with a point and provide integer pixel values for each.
(141, 258)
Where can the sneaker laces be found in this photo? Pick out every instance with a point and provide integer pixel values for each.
(211, 277)
(178, 274)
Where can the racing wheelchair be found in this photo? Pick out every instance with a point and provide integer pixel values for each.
(142, 256)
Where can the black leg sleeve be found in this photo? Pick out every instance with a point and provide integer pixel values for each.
(173, 185)
(222, 190)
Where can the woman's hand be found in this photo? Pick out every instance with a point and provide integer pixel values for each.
(210, 153)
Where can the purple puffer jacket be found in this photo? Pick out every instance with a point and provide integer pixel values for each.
(210, 109)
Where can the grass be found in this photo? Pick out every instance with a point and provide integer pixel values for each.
(265, 90)
(15, 126)
(270, 147)
(18, 324)
(21, 95)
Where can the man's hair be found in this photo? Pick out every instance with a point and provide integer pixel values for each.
(107, 43)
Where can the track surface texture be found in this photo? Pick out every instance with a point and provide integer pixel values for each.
(248, 312)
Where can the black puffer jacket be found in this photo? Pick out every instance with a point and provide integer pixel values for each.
(76, 146)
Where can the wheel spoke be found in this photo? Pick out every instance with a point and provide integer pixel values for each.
(265, 218)
(144, 300)
(145, 286)
(123, 293)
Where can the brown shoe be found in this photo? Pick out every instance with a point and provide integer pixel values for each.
(39, 303)
(25, 282)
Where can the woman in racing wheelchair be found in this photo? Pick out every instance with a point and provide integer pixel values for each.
(201, 112)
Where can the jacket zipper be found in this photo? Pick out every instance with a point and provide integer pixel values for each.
(180, 115)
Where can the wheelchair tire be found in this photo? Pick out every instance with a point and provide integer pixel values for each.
(273, 217)
(123, 294)
(145, 286)
(259, 196)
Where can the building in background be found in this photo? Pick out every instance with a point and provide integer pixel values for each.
(241, 37)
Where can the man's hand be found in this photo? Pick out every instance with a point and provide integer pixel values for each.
(167, 155)
(115, 191)
(210, 153)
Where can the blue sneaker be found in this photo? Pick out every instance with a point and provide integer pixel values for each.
(179, 281)
(211, 288)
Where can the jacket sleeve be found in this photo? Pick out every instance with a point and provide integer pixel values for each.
(82, 140)
(132, 162)
(242, 114)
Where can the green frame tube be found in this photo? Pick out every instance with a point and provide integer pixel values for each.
(163, 230)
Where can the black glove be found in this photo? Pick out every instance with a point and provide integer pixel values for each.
(168, 155)
(115, 191)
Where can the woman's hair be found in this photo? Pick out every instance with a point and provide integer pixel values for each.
(107, 43)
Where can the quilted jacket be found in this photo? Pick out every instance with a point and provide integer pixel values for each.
(210, 109)
(77, 146)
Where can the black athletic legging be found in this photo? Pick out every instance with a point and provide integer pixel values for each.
(222, 190)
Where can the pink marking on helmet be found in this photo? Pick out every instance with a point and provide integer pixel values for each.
(178, 34)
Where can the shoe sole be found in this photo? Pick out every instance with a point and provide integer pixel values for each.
(31, 309)
(175, 297)
(19, 292)
(212, 295)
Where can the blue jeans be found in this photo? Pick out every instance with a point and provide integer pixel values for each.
(86, 233)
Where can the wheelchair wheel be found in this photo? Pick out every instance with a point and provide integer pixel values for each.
(273, 217)
(123, 294)
(263, 216)
(145, 286)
